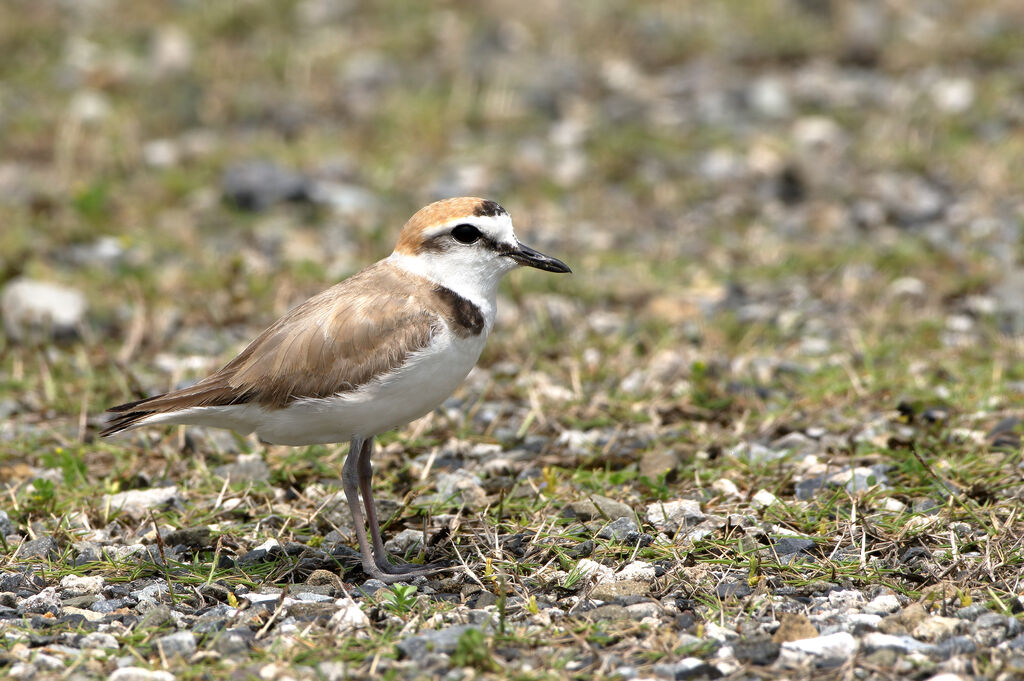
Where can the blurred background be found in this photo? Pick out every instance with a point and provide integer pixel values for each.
(778, 211)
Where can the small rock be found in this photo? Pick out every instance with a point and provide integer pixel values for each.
(876, 640)
(883, 605)
(348, 617)
(826, 651)
(138, 502)
(74, 585)
(733, 590)
(794, 627)
(192, 537)
(247, 467)
(45, 602)
(405, 543)
(6, 526)
(257, 185)
(234, 641)
(687, 668)
(760, 651)
(936, 628)
(726, 487)
(32, 308)
(670, 516)
(658, 463)
(598, 508)
(763, 499)
(609, 591)
(99, 640)
(619, 529)
(139, 674)
(44, 547)
(179, 644)
(903, 622)
(438, 641)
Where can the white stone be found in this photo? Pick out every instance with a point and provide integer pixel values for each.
(828, 649)
(726, 487)
(937, 628)
(763, 499)
(138, 502)
(592, 569)
(349, 617)
(140, 674)
(637, 570)
(29, 306)
(99, 639)
(883, 605)
(669, 516)
(75, 585)
(876, 640)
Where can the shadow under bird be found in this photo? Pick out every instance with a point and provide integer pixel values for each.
(372, 353)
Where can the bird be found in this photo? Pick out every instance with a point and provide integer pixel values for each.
(370, 354)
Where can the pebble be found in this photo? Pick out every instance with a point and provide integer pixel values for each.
(619, 529)
(178, 644)
(140, 674)
(436, 641)
(75, 585)
(597, 507)
(257, 185)
(348, 617)
(137, 503)
(30, 308)
(99, 640)
(825, 651)
(45, 602)
(670, 516)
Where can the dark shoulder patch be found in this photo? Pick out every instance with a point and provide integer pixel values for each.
(465, 317)
(488, 209)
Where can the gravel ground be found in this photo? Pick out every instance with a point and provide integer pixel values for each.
(771, 427)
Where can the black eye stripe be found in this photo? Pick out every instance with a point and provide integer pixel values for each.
(466, 234)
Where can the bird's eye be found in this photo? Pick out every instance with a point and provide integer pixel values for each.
(465, 234)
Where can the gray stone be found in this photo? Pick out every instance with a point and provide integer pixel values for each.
(437, 641)
(619, 529)
(687, 668)
(247, 467)
(902, 644)
(139, 674)
(137, 503)
(99, 640)
(825, 651)
(6, 526)
(38, 308)
(234, 641)
(257, 185)
(598, 507)
(954, 646)
(46, 601)
(179, 644)
(670, 516)
(44, 547)
(75, 585)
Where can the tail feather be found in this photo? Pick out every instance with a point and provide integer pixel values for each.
(212, 391)
(124, 421)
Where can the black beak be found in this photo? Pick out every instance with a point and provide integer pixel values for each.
(524, 255)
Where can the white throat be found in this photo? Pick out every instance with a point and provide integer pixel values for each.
(476, 281)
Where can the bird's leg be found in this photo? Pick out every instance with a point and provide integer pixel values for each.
(364, 468)
(350, 482)
(380, 554)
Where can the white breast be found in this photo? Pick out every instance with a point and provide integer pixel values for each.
(397, 398)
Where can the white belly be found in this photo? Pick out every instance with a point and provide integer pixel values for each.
(422, 384)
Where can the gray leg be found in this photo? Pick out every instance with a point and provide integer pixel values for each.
(380, 554)
(356, 476)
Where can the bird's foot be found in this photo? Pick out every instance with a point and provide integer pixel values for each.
(389, 573)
